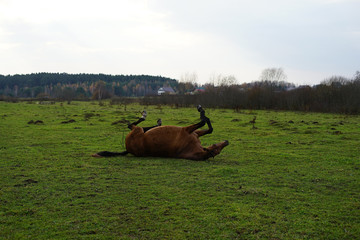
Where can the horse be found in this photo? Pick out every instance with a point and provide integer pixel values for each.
(169, 141)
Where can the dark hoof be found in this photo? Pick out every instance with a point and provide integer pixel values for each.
(202, 113)
(226, 142)
(200, 109)
(144, 114)
(159, 122)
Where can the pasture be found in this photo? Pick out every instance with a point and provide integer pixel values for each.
(291, 175)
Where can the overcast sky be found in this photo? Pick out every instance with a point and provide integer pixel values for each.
(310, 39)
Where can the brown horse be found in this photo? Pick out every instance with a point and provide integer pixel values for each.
(169, 141)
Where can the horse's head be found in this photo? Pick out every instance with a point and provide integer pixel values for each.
(215, 149)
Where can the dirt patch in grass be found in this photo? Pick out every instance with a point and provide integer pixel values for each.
(36, 122)
(68, 121)
(122, 121)
(26, 182)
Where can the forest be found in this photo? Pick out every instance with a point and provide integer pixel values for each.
(336, 94)
(80, 86)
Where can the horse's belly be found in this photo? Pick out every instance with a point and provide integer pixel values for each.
(167, 141)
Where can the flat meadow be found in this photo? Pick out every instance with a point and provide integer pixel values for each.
(290, 175)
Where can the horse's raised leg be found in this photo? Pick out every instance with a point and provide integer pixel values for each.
(210, 129)
(141, 119)
(159, 122)
(193, 127)
(204, 120)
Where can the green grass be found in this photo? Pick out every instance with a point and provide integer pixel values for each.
(295, 176)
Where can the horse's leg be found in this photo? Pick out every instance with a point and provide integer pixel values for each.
(207, 131)
(193, 127)
(159, 122)
(141, 119)
(204, 120)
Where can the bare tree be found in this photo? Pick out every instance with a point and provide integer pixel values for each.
(220, 80)
(336, 81)
(273, 74)
(189, 78)
(357, 76)
(187, 82)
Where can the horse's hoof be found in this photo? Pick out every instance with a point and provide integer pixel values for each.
(159, 122)
(199, 108)
(226, 142)
(144, 114)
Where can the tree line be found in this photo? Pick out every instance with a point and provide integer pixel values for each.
(80, 86)
(336, 95)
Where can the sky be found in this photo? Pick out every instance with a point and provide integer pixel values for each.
(311, 40)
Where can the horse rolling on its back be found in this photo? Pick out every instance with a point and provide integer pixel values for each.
(169, 141)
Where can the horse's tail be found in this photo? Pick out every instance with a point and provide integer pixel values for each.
(109, 154)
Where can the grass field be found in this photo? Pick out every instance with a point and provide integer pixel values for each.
(294, 176)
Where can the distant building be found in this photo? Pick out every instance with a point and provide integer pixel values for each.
(199, 90)
(166, 90)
